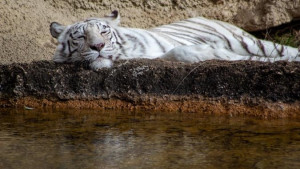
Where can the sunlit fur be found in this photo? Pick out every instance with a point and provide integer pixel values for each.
(191, 40)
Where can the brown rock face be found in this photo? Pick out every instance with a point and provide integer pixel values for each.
(24, 25)
(211, 87)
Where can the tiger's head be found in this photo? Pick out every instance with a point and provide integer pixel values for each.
(93, 39)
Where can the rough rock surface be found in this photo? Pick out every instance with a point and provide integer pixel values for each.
(219, 87)
(24, 25)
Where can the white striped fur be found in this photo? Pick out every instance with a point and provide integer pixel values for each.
(101, 41)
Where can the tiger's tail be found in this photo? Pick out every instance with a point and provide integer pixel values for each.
(271, 51)
(245, 44)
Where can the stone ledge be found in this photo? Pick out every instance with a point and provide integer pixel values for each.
(213, 87)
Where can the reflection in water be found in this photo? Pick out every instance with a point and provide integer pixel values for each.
(93, 139)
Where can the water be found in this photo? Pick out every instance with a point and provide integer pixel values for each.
(34, 139)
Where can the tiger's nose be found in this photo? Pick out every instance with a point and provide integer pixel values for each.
(97, 47)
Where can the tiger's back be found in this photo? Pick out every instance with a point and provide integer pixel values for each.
(225, 36)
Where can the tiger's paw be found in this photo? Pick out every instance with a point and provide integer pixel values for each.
(101, 63)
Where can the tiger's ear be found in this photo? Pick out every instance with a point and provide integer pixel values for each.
(56, 29)
(113, 18)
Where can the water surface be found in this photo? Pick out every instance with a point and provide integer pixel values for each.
(35, 139)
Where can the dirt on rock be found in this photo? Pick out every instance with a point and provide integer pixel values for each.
(24, 25)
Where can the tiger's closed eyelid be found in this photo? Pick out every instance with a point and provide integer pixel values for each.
(79, 37)
(75, 43)
(103, 32)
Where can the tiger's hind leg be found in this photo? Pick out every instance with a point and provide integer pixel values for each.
(202, 52)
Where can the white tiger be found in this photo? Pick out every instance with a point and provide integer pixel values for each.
(101, 41)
